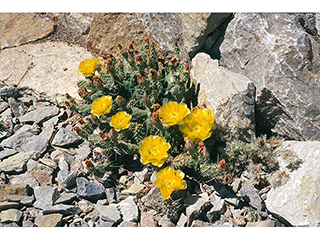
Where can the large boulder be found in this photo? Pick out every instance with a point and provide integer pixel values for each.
(295, 196)
(230, 95)
(191, 30)
(282, 59)
(47, 69)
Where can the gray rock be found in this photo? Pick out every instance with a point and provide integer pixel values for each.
(250, 194)
(128, 224)
(236, 185)
(89, 190)
(57, 155)
(8, 205)
(147, 220)
(134, 189)
(110, 213)
(18, 162)
(10, 91)
(65, 137)
(50, 220)
(228, 196)
(196, 205)
(129, 209)
(230, 95)
(83, 151)
(3, 106)
(141, 177)
(45, 196)
(111, 194)
(14, 105)
(70, 180)
(63, 209)
(25, 200)
(7, 152)
(66, 198)
(40, 114)
(218, 207)
(11, 215)
(34, 212)
(24, 141)
(297, 199)
(282, 59)
(182, 221)
(265, 223)
(103, 223)
(165, 222)
(50, 84)
(84, 204)
(64, 170)
(25, 178)
(51, 123)
(27, 223)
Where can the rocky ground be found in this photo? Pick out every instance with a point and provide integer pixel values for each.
(44, 176)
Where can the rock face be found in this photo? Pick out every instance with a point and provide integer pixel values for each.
(18, 163)
(298, 200)
(191, 30)
(230, 95)
(53, 68)
(20, 28)
(282, 60)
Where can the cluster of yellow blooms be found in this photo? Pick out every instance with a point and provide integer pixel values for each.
(195, 126)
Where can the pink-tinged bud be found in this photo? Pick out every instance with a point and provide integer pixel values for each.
(97, 81)
(189, 145)
(130, 47)
(202, 149)
(109, 65)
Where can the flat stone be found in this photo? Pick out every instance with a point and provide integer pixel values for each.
(40, 114)
(147, 220)
(103, 223)
(18, 162)
(25, 200)
(66, 197)
(128, 224)
(196, 206)
(45, 196)
(17, 189)
(27, 223)
(50, 220)
(7, 152)
(25, 178)
(51, 123)
(134, 189)
(296, 199)
(48, 162)
(20, 28)
(218, 208)
(11, 215)
(265, 223)
(65, 137)
(57, 155)
(165, 222)
(141, 177)
(70, 180)
(129, 209)
(250, 194)
(14, 105)
(24, 141)
(64, 170)
(8, 205)
(39, 79)
(89, 190)
(110, 213)
(10, 91)
(83, 151)
(64, 209)
(3, 106)
(183, 220)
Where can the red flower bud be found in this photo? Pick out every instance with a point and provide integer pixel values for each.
(222, 164)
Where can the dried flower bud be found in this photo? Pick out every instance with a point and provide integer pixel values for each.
(88, 163)
(121, 101)
(141, 80)
(97, 81)
(173, 61)
(155, 107)
(195, 108)
(109, 65)
(186, 67)
(146, 41)
(67, 96)
(148, 52)
(221, 164)
(155, 117)
(139, 60)
(202, 149)
(82, 92)
(261, 142)
(81, 121)
(77, 129)
(130, 47)
(153, 73)
(189, 145)
(68, 104)
(103, 135)
(112, 134)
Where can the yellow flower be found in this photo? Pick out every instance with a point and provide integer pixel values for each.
(120, 121)
(169, 180)
(88, 66)
(153, 150)
(195, 129)
(101, 105)
(206, 115)
(172, 113)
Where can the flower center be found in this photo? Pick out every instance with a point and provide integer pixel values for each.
(173, 115)
(168, 183)
(153, 151)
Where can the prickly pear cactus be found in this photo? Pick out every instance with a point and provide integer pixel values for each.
(126, 101)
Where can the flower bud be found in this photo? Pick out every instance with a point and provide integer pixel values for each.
(81, 121)
(88, 164)
(153, 73)
(141, 80)
(155, 118)
(222, 164)
(138, 60)
(202, 149)
(121, 101)
(146, 41)
(130, 47)
(67, 96)
(155, 107)
(148, 52)
(109, 65)
(82, 92)
(146, 100)
(173, 61)
(103, 135)
(189, 145)
(77, 129)
(112, 134)
(186, 67)
(97, 81)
